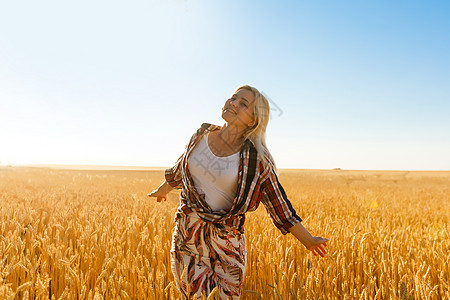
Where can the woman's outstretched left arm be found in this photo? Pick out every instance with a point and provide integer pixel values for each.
(313, 243)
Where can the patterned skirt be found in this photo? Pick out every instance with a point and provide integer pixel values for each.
(205, 256)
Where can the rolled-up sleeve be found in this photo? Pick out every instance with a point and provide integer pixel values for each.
(173, 175)
(277, 204)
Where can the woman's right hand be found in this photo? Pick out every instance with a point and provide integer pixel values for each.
(160, 195)
(161, 192)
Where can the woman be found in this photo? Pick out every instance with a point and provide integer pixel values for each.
(225, 172)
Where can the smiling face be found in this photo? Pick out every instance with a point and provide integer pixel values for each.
(239, 109)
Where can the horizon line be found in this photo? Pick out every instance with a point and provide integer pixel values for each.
(160, 168)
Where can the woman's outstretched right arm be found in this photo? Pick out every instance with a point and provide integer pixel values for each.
(161, 192)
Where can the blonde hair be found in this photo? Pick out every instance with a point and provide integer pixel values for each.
(257, 133)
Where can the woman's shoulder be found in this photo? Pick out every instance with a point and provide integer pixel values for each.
(205, 127)
(208, 126)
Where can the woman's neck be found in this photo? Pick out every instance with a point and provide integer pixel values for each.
(232, 135)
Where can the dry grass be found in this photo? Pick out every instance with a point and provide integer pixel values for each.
(68, 234)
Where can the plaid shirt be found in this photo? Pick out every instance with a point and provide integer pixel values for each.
(256, 183)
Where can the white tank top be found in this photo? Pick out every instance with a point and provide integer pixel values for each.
(214, 176)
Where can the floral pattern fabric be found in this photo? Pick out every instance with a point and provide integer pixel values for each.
(204, 256)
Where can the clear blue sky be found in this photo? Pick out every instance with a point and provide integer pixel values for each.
(358, 84)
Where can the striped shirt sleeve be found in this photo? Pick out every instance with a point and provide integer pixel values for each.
(277, 204)
(173, 175)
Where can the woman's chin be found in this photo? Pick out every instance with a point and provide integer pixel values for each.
(226, 116)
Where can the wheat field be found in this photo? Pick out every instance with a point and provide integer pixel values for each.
(94, 234)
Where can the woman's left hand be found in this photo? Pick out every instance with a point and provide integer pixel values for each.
(317, 246)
